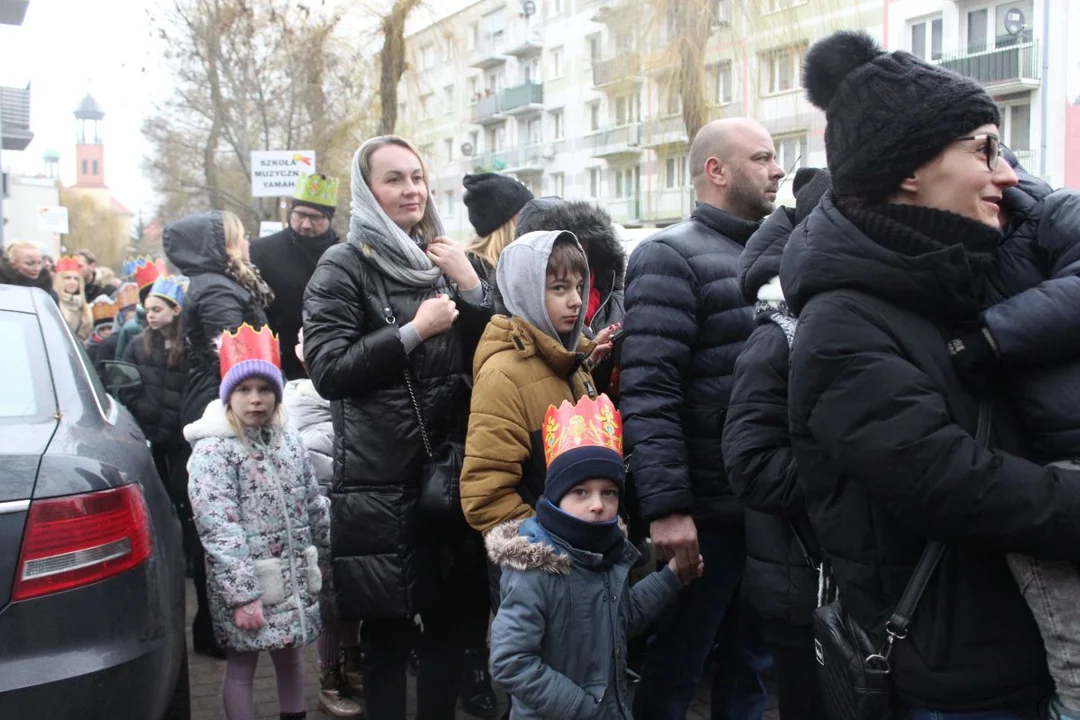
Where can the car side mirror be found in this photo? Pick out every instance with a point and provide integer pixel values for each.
(116, 376)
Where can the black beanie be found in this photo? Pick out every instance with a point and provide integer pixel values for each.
(887, 114)
(575, 466)
(810, 186)
(326, 210)
(492, 200)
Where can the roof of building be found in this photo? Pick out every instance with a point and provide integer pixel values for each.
(118, 208)
(88, 109)
(50, 154)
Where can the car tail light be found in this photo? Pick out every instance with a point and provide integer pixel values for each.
(82, 539)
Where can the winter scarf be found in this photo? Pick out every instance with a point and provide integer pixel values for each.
(251, 281)
(602, 538)
(77, 315)
(393, 252)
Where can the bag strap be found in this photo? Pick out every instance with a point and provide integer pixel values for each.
(898, 623)
(388, 315)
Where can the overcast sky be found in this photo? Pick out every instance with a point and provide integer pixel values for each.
(67, 48)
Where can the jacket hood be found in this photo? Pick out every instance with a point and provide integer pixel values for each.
(828, 252)
(195, 244)
(593, 228)
(505, 334)
(11, 276)
(1029, 191)
(522, 277)
(759, 262)
(524, 545)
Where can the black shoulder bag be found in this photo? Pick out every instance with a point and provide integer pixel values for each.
(854, 673)
(440, 482)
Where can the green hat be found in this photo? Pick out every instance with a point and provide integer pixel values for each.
(317, 191)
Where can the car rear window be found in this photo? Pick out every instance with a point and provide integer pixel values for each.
(26, 390)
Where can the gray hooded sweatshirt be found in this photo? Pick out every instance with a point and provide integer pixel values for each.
(522, 279)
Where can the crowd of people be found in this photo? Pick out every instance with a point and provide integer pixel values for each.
(389, 444)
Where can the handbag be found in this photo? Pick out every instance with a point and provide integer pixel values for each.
(440, 481)
(854, 672)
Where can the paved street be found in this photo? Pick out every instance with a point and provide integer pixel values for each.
(206, 686)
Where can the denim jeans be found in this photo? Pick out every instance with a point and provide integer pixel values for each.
(685, 633)
(1025, 711)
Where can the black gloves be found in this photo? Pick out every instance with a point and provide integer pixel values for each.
(975, 356)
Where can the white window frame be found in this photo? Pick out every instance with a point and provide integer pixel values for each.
(558, 124)
(799, 144)
(448, 99)
(927, 51)
(1007, 125)
(448, 143)
(558, 184)
(770, 69)
(593, 109)
(594, 180)
(556, 62)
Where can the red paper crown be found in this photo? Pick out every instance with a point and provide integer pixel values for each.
(67, 264)
(127, 295)
(147, 272)
(247, 343)
(590, 423)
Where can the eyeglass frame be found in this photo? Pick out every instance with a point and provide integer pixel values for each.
(314, 217)
(991, 159)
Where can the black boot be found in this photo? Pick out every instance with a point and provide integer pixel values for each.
(294, 716)
(202, 630)
(477, 697)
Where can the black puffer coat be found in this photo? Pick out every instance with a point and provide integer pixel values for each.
(686, 322)
(388, 559)
(779, 581)
(214, 303)
(11, 276)
(883, 428)
(157, 403)
(1034, 293)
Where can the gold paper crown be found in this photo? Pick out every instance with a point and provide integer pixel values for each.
(103, 308)
(67, 264)
(319, 189)
(590, 423)
(247, 343)
(127, 295)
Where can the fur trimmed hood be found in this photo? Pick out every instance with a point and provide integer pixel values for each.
(214, 424)
(593, 228)
(524, 545)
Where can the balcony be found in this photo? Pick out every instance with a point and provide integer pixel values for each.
(523, 99)
(526, 159)
(1000, 70)
(664, 131)
(624, 210)
(622, 141)
(489, 110)
(670, 205)
(620, 70)
(525, 41)
(610, 12)
(15, 111)
(490, 51)
(1029, 159)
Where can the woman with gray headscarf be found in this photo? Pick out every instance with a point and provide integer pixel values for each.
(391, 321)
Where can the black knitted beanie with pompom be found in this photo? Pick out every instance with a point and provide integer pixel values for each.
(887, 114)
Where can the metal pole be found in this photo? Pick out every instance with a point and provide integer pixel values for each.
(2, 221)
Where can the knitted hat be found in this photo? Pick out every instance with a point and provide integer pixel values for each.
(247, 369)
(887, 113)
(575, 466)
(810, 186)
(492, 200)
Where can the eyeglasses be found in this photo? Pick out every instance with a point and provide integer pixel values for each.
(313, 218)
(992, 150)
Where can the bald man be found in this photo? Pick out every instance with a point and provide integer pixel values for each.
(686, 321)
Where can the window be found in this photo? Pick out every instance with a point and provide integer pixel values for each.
(976, 30)
(427, 152)
(594, 48)
(448, 204)
(448, 146)
(557, 62)
(530, 70)
(427, 57)
(85, 167)
(556, 7)
(494, 81)
(448, 98)
(721, 81)
(674, 102)
(533, 132)
(721, 12)
(558, 184)
(474, 140)
(675, 172)
(624, 182)
(781, 70)
(622, 110)
(27, 392)
(472, 88)
(768, 6)
(473, 36)
(94, 164)
(558, 126)
(594, 116)
(926, 39)
(496, 139)
(1016, 127)
(594, 182)
(425, 105)
(791, 152)
(986, 27)
(624, 42)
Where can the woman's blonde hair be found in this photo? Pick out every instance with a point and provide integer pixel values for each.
(274, 423)
(234, 235)
(425, 230)
(16, 248)
(58, 282)
(491, 246)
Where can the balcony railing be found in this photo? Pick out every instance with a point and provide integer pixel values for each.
(489, 109)
(524, 40)
(1013, 67)
(1028, 159)
(621, 67)
(15, 130)
(621, 140)
(490, 50)
(522, 97)
(624, 210)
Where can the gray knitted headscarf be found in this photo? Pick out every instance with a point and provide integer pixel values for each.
(389, 247)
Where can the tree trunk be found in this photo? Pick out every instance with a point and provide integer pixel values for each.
(392, 62)
(692, 25)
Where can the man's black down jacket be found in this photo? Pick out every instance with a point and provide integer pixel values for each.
(686, 322)
(156, 404)
(214, 303)
(779, 581)
(389, 560)
(882, 429)
(1034, 290)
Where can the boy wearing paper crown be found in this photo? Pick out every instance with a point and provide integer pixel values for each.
(558, 643)
(263, 522)
(287, 259)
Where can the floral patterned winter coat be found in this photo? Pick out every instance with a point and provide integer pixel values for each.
(265, 527)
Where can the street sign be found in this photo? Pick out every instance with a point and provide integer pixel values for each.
(53, 219)
(274, 172)
(269, 227)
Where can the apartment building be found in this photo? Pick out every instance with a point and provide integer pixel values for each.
(575, 97)
(1020, 51)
